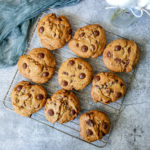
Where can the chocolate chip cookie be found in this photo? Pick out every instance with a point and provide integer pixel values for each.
(54, 31)
(62, 107)
(75, 73)
(121, 55)
(38, 65)
(93, 125)
(27, 99)
(88, 41)
(107, 87)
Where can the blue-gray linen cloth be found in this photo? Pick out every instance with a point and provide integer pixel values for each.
(16, 17)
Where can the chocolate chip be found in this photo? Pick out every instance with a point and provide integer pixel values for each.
(79, 67)
(24, 65)
(96, 78)
(82, 75)
(89, 132)
(45, 74)
(70, 31)
(129, 50)
(118, 95)
(66, 73)
(121, 84)
(40, 55)
(58, 19)
(108, 54)
(118, 60)
(84, 48)
(117, 48)
(103, 133)
(90, 123)
(64, 83)
(72, 112)
(39, 97)
(104, 125)
(96, 33)
(77, 45)
(71, 62)
(82, 34)
(41, 29)
(19, 87)
(50, 112)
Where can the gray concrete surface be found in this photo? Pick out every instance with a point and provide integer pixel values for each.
(132, 131)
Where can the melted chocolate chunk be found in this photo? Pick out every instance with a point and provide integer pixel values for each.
(96, 33)
(72, 112)
(50, 112)
(19, 87)
(45, 74)
(39, 97)
(89, 132)
(71, 62)
(84, 48)
(97, 78)
(82, 75)
(41, 29)
(104, 125)
(40, 55)
(24, 65)
(64, 83)
(117, 48)
(90, 123)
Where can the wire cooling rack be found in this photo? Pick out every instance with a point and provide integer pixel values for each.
(72, 128)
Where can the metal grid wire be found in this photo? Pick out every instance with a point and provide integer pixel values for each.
(72, 128)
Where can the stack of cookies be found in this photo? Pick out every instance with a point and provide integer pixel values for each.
(38, 65)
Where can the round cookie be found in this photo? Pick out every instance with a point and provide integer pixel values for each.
(93, 125)
(75, 73)
(62, 107)
(38, 65)
(121, 55)
(107, 87)
(27, 99)
(88, 41)
(54, 31)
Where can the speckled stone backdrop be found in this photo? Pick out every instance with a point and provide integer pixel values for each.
(132, 130)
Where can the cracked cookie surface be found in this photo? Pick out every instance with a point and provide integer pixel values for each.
(38, 65)
(54, 32)
(107, 87)
(88, 41)
(62, 107)
(75, 73)
(121, 55)
(93, 125)
(27, 99)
